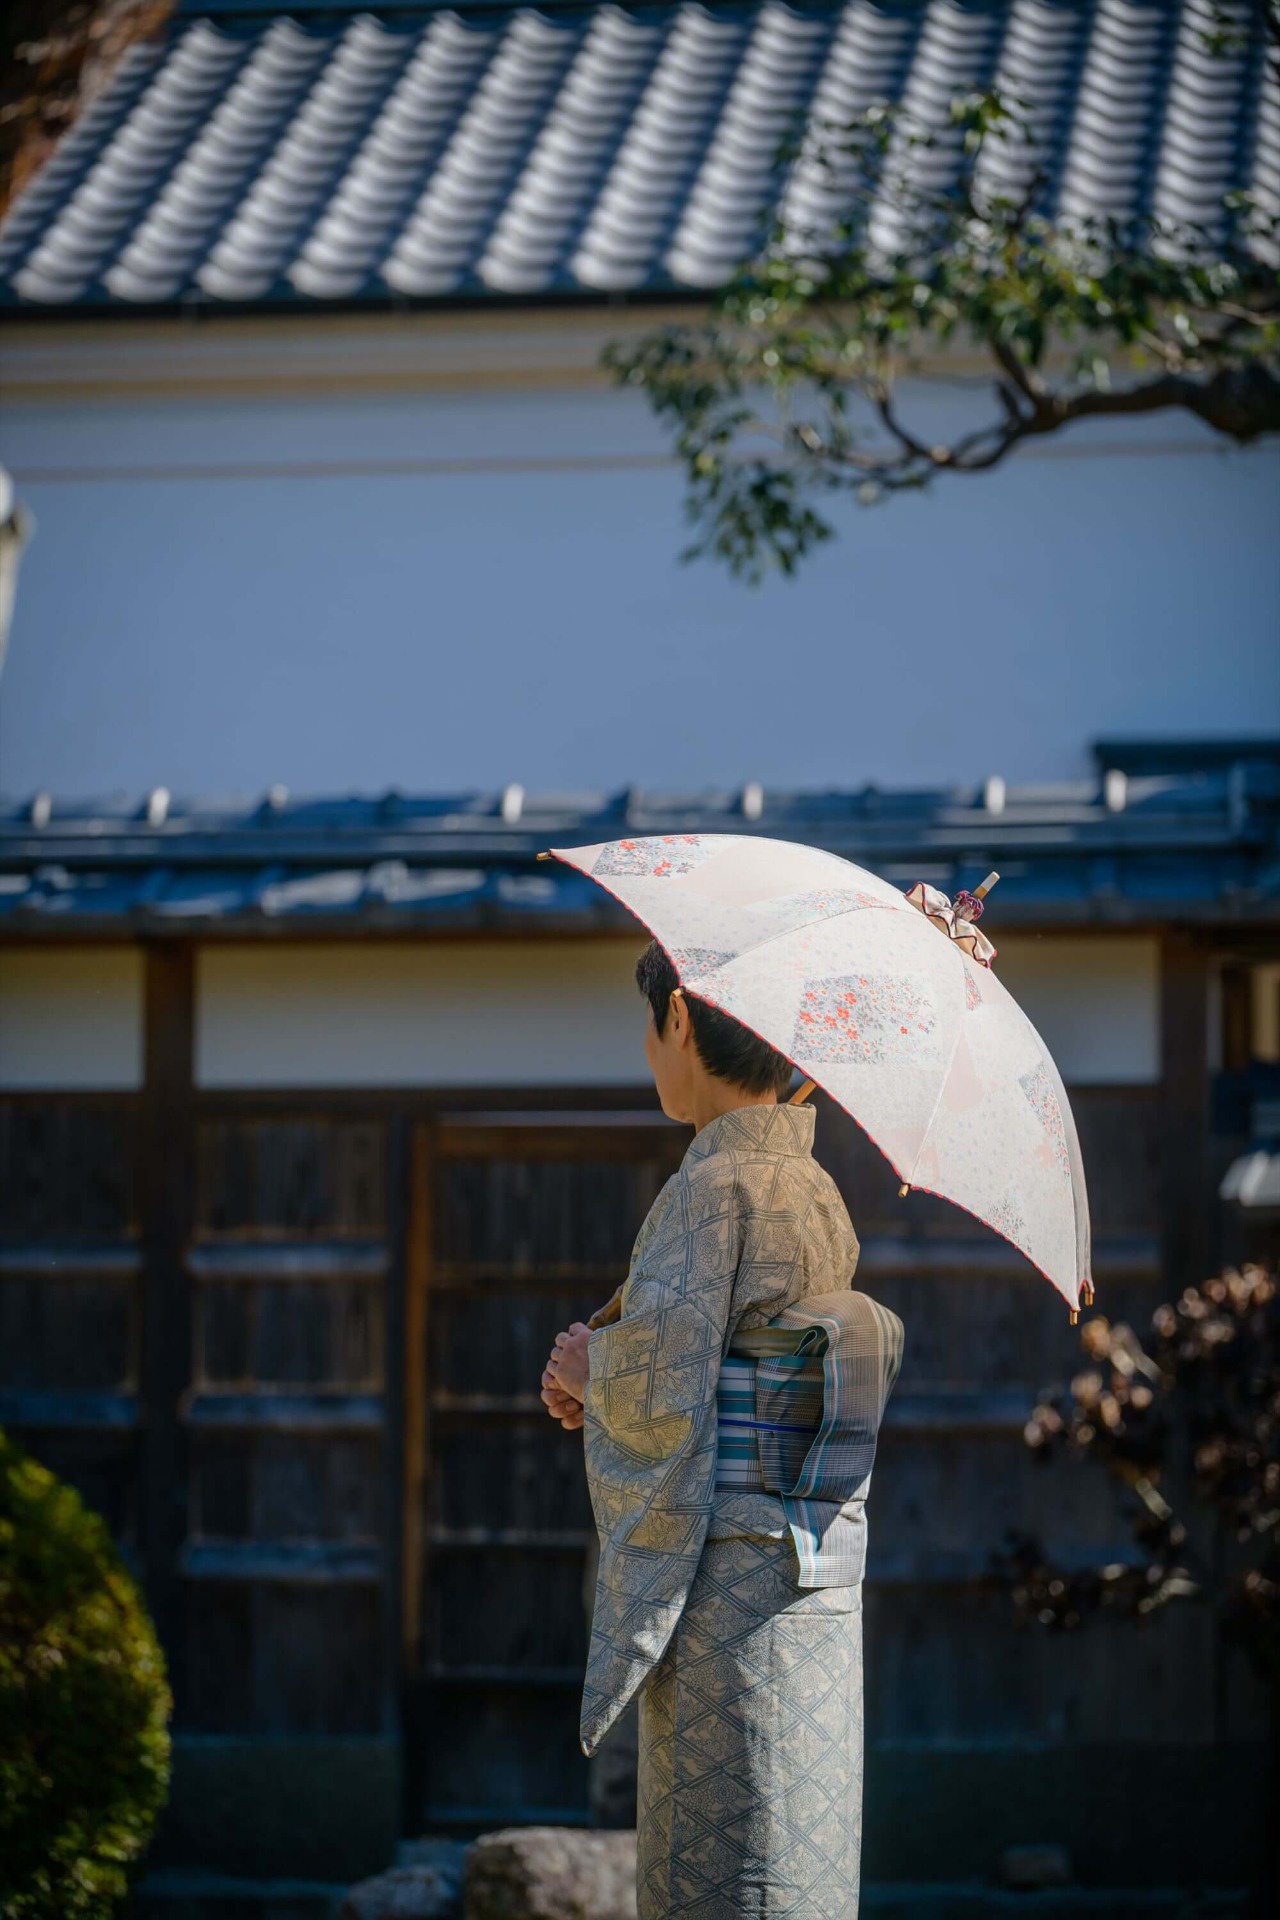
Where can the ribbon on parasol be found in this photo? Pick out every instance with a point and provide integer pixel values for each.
(957, 918)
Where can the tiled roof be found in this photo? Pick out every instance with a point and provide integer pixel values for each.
(425, 153)
(1124, 849)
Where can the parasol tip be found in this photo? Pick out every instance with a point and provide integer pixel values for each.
(904, 1190)
(546, 856)
(1075, 1317)
(980, 893)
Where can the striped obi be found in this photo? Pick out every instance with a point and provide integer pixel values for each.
(766, 1456)
(798, 1412)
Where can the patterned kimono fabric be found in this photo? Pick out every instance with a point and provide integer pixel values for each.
(729, 1593)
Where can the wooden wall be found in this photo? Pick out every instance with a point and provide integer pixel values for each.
(71, 1293)
(250, 1485)
(291, 1539)
(290, 1345)
(984, 1332)
(531, 1224)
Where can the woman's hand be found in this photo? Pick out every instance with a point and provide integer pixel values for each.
(562, 1403)
(569, 1362)
(562, 1406)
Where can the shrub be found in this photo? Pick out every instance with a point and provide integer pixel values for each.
(84, 1705)
(1195, 1410)
(1191, 1416)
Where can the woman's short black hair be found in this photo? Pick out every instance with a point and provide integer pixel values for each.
(725, 1047)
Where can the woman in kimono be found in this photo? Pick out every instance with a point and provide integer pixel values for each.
(730, 1405)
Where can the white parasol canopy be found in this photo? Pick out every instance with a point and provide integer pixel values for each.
(886, 1000)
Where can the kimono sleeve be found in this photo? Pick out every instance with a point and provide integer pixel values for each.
(650, 1433)
(651, 1389)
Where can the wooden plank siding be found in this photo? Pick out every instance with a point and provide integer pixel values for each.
(1187, 1208)
(984, 1332)
(365, 1524)
(292, 1523)
(71, 1293)
(532, 1222)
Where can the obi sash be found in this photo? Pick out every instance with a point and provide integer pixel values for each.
(766, 1456)
(798, 1412)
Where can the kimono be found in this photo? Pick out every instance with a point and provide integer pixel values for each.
(734, 1611)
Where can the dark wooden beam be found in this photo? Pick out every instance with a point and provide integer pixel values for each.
(396, 1282)
(1188, 1240)
(417, 1280)
(167, 1197)
(1237, 1018)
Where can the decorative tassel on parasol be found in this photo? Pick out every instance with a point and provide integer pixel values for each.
(958, 919)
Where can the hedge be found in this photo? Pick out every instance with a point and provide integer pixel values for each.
(84, 1705)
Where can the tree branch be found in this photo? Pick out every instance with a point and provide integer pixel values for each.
(1027, 383)
(1189, 317)
(1241, 402)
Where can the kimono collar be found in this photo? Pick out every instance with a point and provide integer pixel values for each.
(781, 1130)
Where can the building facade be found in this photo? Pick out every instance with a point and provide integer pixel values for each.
(320, 1116)
(300, 358)
(318, 1121)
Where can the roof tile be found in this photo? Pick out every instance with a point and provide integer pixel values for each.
(1199, 843)
(522, 151)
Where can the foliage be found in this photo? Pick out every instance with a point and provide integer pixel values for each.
(788, 391)
(84, 1706)
(1200, 1406)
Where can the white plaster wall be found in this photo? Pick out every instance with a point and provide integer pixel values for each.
(567, 1012)
(539, 1013)
(70, 1018)
(447, 589)
(1095, 1003)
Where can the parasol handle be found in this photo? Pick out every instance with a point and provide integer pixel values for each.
(609, 1314)
(802, 1092)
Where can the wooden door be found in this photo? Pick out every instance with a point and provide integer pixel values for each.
(521, 1225)
(287, 1563)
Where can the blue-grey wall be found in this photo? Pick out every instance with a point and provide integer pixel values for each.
(453, 591)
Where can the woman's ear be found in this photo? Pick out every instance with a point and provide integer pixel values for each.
(682, 1025)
